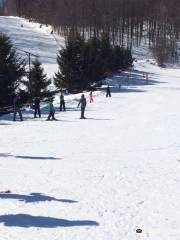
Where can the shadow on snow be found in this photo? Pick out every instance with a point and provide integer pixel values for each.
(34, 197)
(27, 221)
(99, 119)
(131, 79)
(7, 155)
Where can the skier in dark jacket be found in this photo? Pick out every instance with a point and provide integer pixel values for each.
(83, 103)
(62, 103)
(17, 108)
(37, 109)
(108, 91)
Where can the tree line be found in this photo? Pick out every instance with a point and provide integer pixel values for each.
(126, 21)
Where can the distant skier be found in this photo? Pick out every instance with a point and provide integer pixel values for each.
(91, 100)
(51, 110)
(62, 103)
(146, 78)
(83, 103)
(37, 109)
(108, 91)
(17, 107)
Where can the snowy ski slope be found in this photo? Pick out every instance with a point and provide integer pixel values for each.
(30, 37)
(99, 178)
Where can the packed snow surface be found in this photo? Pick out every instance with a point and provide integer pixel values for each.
(100, 178)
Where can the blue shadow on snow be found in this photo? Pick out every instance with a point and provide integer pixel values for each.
(34, 197)
(27, 221)
(7, 155)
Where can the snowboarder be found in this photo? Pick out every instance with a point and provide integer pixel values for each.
(91, 100)
(37, 107)
(62, 103)
(108, 91)
(17, 107)
(51, 110)
(83, 103)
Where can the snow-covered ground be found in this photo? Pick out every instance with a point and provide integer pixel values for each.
(99, 178)
(29, 36)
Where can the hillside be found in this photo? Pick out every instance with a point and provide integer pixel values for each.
(28, 36)
(99, 178)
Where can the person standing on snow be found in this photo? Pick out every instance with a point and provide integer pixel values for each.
(51, 110)
(37, 109)
(17, 107)
(91, 100)
(108, 91)
(146, 78)
(62, 103)
(83, 103)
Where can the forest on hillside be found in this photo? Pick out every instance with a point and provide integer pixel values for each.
(126, 21)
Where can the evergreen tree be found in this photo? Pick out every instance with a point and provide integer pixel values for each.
(69, 60)
(93, 65)
(121, 58)
(127, 58)
(38, 81)
(106, 52)
(83, 64)
(117, 58)
(12, 69)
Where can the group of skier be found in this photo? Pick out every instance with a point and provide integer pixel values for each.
(51, 109)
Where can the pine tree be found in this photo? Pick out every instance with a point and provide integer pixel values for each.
(38, 81)
(106, 52)
(93, 65)
(127, 58)
(121, 58)
(117, 58)
(69, 60)
(12, 69)
(83, 64)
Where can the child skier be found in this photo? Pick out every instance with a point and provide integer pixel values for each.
(108, 91)
(91, 100)
(51, 110)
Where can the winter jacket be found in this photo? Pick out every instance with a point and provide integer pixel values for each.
(17, 104)
(62, 98)
(82, 102)
(51, 107)
(37, 103)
